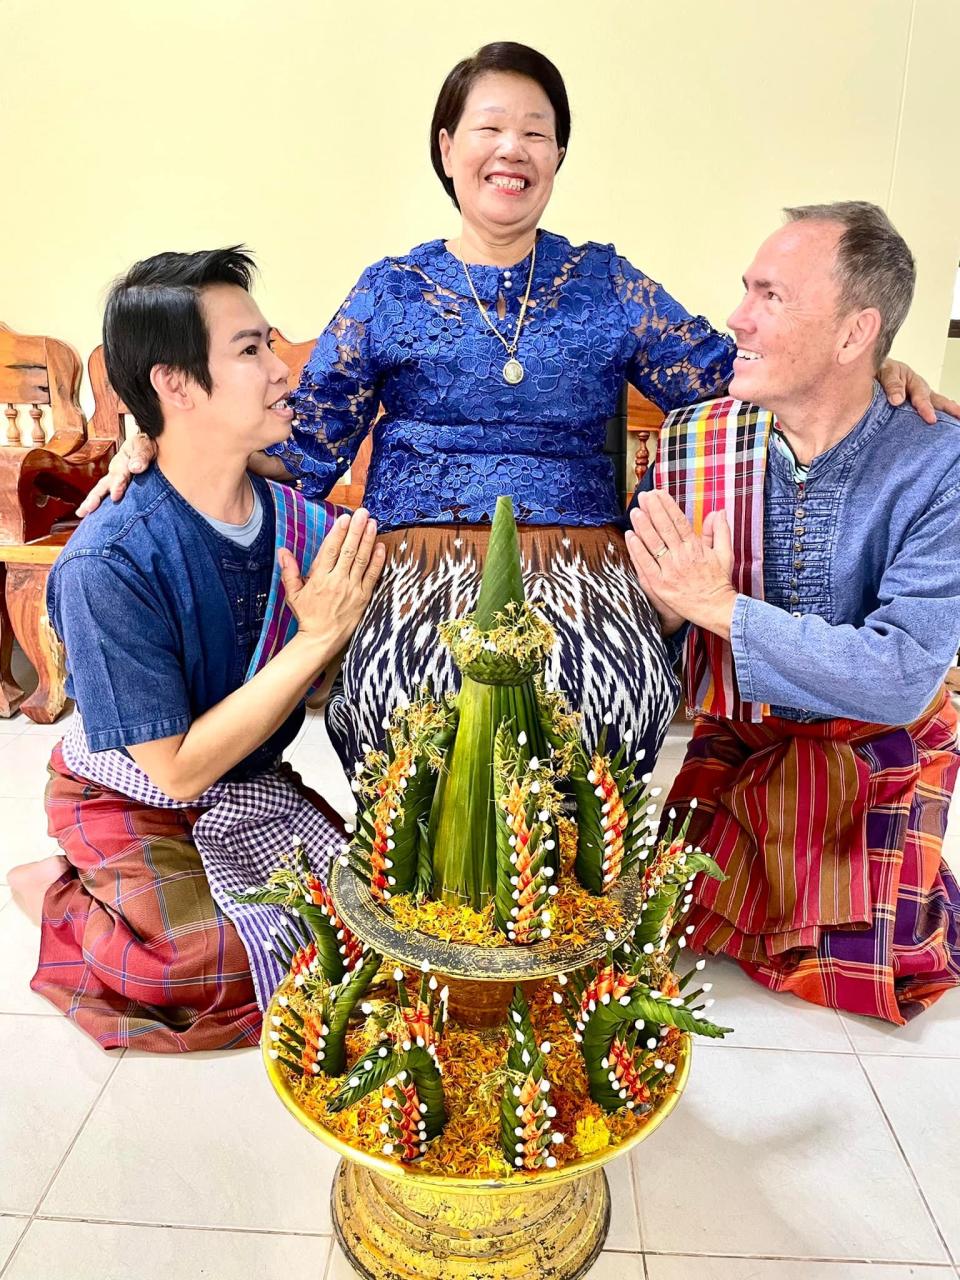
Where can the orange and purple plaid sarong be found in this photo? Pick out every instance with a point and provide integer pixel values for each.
(830, 836)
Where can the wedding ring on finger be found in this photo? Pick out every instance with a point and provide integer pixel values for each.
(658, 555)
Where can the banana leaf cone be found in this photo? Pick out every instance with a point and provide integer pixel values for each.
(499, 650)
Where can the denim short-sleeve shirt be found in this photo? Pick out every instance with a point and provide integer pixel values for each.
(159, 614)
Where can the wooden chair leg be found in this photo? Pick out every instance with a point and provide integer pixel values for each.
(26, 591)
(11, 695)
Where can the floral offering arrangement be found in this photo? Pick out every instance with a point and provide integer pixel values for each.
(487, 821)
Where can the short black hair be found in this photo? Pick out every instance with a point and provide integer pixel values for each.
(507, 57)
(153, 316)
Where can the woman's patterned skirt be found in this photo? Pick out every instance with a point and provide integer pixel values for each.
(609, 659)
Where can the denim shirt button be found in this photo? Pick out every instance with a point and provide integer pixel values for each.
(801, 512)
(796, 615)
(794, 598)
(798, 565)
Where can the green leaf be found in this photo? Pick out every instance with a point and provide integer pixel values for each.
(502, 581)
(341, 1001)
(380, 1071)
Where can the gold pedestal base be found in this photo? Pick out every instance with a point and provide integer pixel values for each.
(399, 1229)
(482, 1005)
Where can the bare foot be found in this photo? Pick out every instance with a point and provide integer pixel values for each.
(30, 881)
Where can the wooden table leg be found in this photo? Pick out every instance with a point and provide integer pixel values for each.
(26, 591)
(11, 695)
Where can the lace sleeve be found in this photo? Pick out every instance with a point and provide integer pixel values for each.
(337, 397)
(677, 358)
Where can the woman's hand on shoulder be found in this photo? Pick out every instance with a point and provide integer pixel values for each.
(134, 456)
(900, 383)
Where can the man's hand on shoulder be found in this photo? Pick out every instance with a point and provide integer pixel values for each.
(687, 576)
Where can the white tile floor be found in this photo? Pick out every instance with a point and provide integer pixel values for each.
(808, 1147)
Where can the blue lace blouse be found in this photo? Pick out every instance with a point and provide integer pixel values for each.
(454, 434)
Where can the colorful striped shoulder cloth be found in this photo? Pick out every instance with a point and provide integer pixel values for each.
(712, 457)
(301, 526)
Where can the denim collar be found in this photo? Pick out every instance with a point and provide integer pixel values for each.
(876, 416)
(226, 550)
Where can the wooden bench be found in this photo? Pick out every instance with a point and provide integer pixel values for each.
(42, 481)
(644, 420)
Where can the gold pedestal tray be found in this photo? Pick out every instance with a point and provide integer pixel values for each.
(395, 1230)
(396, 1223)
(481, 979)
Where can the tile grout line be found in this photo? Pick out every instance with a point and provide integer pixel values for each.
(31, 1217)
(636, 1211)
(896, 1137)
(846, 1031)
(329, 1267)
(830, 1259)
(73, 1141)
(28, 1222)
(159, 1226)
(907, 1057)
(711, 1045)
(179, 1226)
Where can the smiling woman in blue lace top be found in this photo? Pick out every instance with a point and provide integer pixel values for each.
(497, 359)
(454, 434)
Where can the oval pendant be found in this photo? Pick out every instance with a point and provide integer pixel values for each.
(513, 372)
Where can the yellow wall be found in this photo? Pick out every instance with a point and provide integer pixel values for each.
(299, 127)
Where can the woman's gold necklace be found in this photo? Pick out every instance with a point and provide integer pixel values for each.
(513, 369)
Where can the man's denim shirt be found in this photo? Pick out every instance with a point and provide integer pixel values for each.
(861, 615)
(159, 615)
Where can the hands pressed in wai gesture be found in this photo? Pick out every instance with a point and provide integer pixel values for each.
(686, 576)
(329, 602)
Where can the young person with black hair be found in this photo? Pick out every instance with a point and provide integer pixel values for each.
(191, 641)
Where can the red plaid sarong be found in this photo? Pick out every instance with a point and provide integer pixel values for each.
(830, 836)
(133, 947)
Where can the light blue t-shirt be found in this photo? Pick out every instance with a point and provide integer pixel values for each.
(246, 534)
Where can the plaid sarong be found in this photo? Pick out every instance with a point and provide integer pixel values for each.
(712, 457)
(830, 836)
(239, 829)
(133, 948)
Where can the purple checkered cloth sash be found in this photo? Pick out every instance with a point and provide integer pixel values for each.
(247, 827)
(713, 457)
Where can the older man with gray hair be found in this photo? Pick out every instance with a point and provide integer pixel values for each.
(802, 541)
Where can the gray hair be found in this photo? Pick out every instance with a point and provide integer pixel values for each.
(875, 268)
